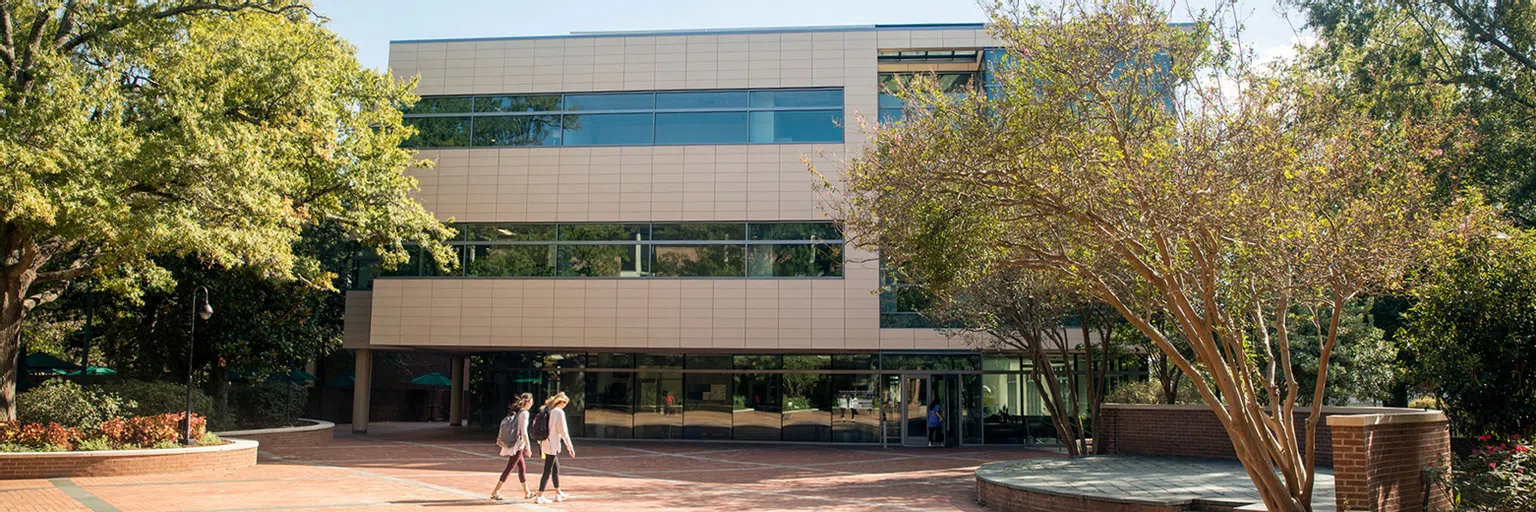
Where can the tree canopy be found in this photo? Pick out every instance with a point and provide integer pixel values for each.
(1472, 328)
(216, 130)
(1180, 185)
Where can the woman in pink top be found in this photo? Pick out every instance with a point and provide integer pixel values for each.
(559, 437)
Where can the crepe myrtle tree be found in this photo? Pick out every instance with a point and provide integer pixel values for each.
(1023, 311)
(214, 129)
(1196, 195)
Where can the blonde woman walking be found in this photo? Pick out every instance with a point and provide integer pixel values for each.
(552, 433)
(512, 437)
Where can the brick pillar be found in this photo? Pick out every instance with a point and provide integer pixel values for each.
(362, 390)
(1381, 461)
(456, 392)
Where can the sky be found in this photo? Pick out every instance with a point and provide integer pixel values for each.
(372, 24)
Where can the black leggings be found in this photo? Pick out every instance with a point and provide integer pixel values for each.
(551, 469)
(522, 468)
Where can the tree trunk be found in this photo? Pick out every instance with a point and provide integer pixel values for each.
(10, 351)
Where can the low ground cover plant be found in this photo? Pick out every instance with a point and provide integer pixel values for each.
(157, 431)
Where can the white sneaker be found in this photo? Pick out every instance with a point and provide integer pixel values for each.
(560, 497)
(542, 500)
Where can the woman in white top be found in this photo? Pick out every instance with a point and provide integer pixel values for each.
(512, 437)
(559, 436)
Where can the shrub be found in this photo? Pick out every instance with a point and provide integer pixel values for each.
(117, 433)
(1499, 476)
(95, 444)
(154, 398)
(68, 404)
(266, 405)
(1426, 402)
(1150, 392)
(210, 439)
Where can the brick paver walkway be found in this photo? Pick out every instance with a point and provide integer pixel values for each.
(1164, 481)
(408, 467)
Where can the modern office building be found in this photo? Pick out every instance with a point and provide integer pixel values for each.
(639, 230)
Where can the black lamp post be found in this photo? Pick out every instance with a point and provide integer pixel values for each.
(203, 312)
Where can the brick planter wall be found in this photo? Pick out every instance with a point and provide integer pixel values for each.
(229, 456)
(1379, 461)
(996, 496)
(317, 434)
(1194, 431)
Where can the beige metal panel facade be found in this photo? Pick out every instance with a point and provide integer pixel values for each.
(647, 184)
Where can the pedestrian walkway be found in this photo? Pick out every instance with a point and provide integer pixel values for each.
(1156, 481)
(417, 467)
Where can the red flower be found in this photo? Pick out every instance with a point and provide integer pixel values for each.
(1492, 465)
(1483, 438)
(1521, 448)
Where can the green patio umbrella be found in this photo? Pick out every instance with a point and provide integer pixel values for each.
(344, 380)
(41, 361)
(433, 379)
(95, 371)
(298, 375)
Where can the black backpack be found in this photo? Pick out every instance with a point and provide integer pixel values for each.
(540, 429)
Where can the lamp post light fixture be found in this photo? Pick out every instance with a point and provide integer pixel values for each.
(204, 311)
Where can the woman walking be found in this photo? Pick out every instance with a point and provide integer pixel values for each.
(513, 439)
(557, 436)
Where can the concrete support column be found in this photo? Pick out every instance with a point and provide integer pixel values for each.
(456, 392)
(362, 390)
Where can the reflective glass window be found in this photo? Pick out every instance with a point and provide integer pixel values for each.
(607, 129)
(698, 260)
(621, 101)
(707, 404)
(602, 261)
(788, 126)
(759, 362)
(440, 106)
(543, 103)
(439, 132)
(493, 131)
(701, 128)
(659, 402)
(699, 231)
(855, 362)
(807, 407)
(508, 232)
(794, 260)
(509, 260)
(756, 405)
(855, 408)
(702, 100)
(604, 232)
(804, 98)
(610, 360)
(702, 362)
(794, 231)
(659, 361)
(610, 404)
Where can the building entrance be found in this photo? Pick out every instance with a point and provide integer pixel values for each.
(930, 409)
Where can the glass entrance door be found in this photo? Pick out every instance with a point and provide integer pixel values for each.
(916, 395)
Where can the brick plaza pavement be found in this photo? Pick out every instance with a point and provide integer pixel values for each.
(412, 467)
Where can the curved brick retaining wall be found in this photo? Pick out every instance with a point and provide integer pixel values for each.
(1380, 456)
(317, 434)
(236, 454)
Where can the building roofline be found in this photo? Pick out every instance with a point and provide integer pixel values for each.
(712, 31)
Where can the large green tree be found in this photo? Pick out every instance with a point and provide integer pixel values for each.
(1189, 191)
(214, 129)
(1476, 57)
(1472, 330)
